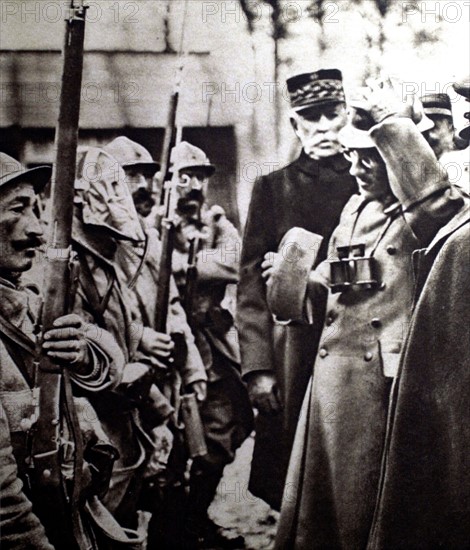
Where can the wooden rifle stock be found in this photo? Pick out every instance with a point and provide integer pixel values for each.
(167, 234)
(55, 402)
(191, 280)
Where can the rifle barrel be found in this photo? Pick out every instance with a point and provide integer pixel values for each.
(170, 137)
(56, 273)
(54, 507)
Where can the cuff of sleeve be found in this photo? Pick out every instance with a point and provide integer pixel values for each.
(248, 376)
(253, 369)
(199, 376)
(98, 378)
(107, 349)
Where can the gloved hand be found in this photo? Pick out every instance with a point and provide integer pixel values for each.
(186, 231)
(264, 393)
(219, 228)
(384, 97)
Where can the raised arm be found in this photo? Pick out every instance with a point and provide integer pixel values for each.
(416, 177)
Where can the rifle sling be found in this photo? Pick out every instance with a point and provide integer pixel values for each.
(76, 433)
(132, 282)
(21, 349)
(97, 303)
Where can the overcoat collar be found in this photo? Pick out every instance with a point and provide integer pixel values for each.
(311, 166)
(389, 204)
(462, 217)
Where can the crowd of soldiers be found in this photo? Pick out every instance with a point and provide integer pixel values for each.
(347, 337)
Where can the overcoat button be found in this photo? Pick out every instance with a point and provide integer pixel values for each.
(368, 356)
(323, 352)
(382, 286)
(376, 323)
(391, 249)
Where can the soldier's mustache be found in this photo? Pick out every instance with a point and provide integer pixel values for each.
(24, 244)
(190, 204)
(194, 195)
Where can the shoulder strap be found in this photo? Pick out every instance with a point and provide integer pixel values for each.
(20, 348)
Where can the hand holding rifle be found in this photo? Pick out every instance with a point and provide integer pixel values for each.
(66, 343)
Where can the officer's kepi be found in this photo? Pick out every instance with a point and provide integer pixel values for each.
(437, 104)
(462, 87)
(314, 90)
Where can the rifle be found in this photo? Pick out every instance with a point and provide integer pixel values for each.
(169, 137)
(189, 409)
(167, 226)
(191, 280)
(172, 134)
(56, 500)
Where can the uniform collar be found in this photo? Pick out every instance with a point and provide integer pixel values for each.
(461, 218)
(390, 204)
(336, 163)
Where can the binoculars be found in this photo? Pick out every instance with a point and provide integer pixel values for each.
(353, 268)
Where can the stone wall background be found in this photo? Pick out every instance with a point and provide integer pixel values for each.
(236, 57)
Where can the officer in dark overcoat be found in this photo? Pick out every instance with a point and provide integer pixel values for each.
(309, 193)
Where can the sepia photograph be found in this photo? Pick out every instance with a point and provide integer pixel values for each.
(234, 274)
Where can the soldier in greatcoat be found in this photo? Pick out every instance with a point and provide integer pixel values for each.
(93, 357)
(104, 216)
(309, 193)
(141, 265)
(226, 413)
(335, 470)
